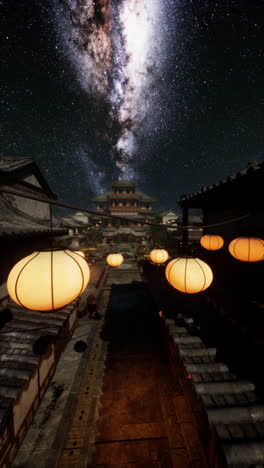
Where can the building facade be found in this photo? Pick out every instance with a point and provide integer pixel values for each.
(31, 342)
(124, 200)
(25, 224)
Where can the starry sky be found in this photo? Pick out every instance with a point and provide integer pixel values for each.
(167, 92)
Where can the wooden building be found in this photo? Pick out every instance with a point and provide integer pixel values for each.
(25, 225)
(125, 200)
(234, 207)
(239, 195)
(31, 342)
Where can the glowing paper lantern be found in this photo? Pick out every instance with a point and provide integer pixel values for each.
(189, 275)
(159, 255)
(48, 280)
(114, 259)
(212, 242)
(247, 249)
(80, 252)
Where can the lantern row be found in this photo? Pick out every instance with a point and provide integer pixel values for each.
(245, 249)
(50, 280)
(192, 275)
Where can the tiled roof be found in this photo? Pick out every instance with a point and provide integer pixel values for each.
(164, 213)
(123, 230)
(145, 197)
(17, 358)
(9, 164)
(253, 168)
(137, 195)
(102, 197)
(73, 222)
(14, 222)
(13, 171)
(124, 183)
(233, 408)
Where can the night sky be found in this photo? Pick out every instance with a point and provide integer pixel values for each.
(167, 92)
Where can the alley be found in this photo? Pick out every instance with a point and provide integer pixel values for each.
(142, 416)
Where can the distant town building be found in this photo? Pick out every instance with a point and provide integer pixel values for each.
(170, 217)
(77, 220)
(125, 200)
(77, 225)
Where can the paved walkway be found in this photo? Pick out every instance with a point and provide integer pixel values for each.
(46, 435)
(117, 404)
(144, 418)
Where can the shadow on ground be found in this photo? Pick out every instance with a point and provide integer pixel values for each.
(131, 317)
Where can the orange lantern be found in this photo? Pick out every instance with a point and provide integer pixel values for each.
(80, 252)
(189, 275)
(48, 280)
(115, 259)
(212, 242)
(159, 255)
(247, 249)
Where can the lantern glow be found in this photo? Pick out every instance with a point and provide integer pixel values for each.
(159, 255)
(80, 252)
(211, 242)
(48, 280)
(114, 259)
(247, 249)
(189, 275)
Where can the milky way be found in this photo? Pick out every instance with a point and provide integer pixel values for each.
(115, 49)
(169, 92)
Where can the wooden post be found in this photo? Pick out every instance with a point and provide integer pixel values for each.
(185, 231)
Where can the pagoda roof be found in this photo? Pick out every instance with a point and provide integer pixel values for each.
(124, 183)
(145, 197)
(104, 197)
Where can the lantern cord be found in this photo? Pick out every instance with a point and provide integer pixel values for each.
(107, 215)
(51, 224)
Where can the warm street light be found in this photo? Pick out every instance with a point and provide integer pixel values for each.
(80, 252)
(48, 280)
(115, 259)
(159, 256)
(189, 275)
(247, 249)
(212, 242)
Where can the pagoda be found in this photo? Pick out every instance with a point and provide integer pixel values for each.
(125, 200)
